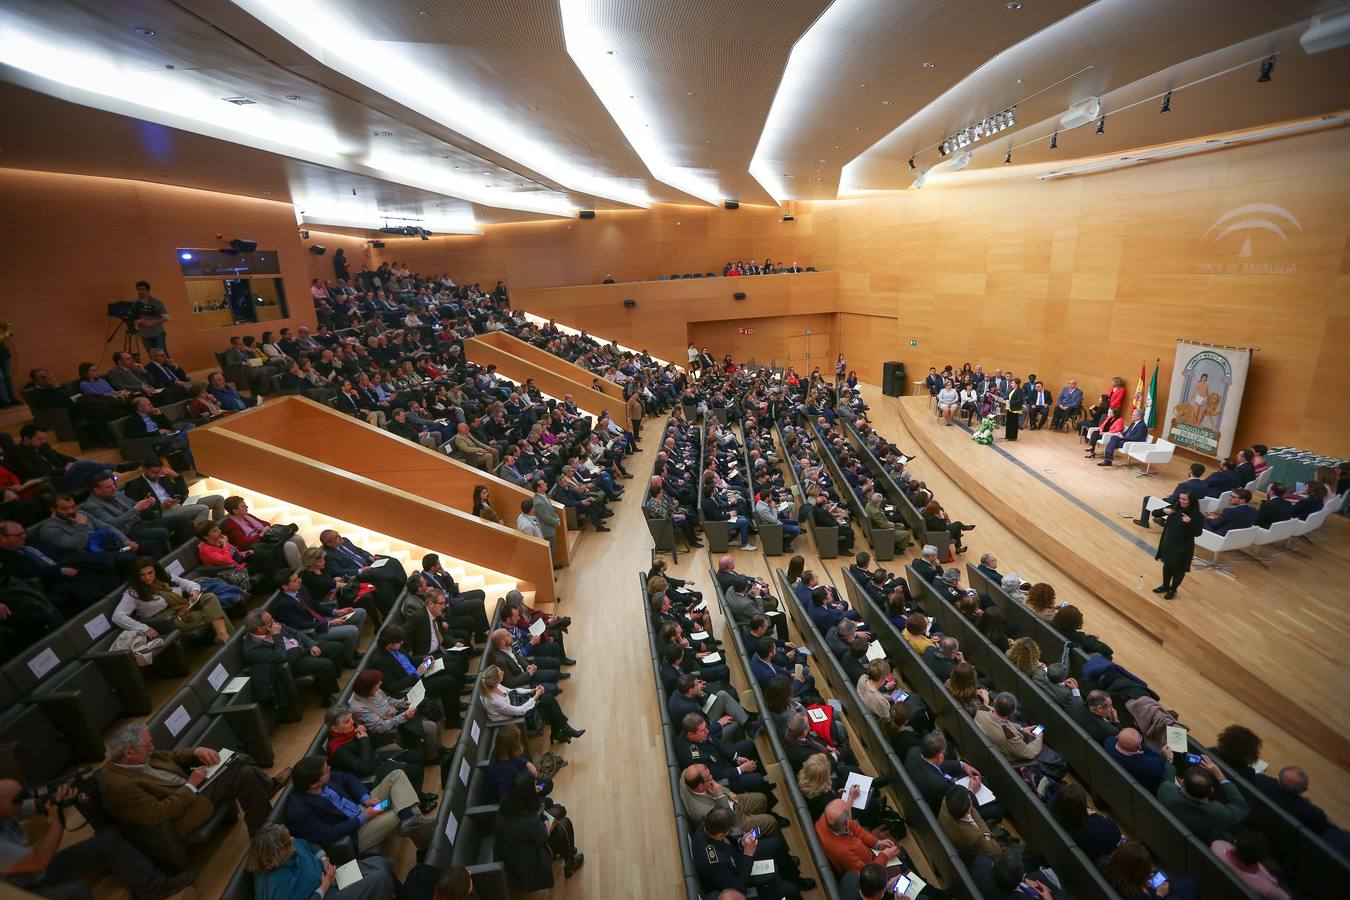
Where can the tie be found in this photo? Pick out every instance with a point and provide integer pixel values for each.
(353, 555)
(40, 556)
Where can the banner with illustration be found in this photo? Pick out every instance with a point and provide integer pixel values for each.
(1205, 397)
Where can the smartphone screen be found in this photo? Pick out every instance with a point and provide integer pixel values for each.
(899, 884)
(1038, 730)
(1193, 758)
(1157, 880)
(383, 804)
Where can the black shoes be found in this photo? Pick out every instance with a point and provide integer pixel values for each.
(1160, 588)
(568, 661)
(563, 676)
(603, 528)
(572, 865)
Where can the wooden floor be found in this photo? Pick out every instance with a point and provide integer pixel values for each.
(1259, 649)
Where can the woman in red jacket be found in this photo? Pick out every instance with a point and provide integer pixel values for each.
(1116, 399)
(1112, 424)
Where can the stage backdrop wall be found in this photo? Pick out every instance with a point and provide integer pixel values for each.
(1205, 397)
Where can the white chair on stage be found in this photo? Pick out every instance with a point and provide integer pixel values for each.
(1237, 539)
(1148, 452)
(1276, 533)
(1309, 525)
(1214, 504)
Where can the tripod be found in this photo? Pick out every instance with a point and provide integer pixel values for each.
(131, 341)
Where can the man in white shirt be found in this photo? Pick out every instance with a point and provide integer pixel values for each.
(526, 521)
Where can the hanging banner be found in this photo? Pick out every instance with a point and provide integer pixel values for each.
(1205, 397)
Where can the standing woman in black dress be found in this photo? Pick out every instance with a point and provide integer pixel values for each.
(1176, 547)
(1013, 417)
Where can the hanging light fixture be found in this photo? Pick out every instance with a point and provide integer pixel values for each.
(1054, 140)
(1101, 125)
(1167, 103)
(1267, 66)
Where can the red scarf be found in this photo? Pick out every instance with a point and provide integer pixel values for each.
(337, 741)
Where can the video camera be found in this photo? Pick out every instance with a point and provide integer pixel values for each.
(127, 310)
(41, 794)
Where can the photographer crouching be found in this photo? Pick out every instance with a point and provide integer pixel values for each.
(46, 870)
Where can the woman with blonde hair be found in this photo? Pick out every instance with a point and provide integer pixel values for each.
(505, 704)
(875, 687)
(813, 778)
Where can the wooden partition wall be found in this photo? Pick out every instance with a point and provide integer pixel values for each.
(303, 452)
(547, 380)
(545, 360)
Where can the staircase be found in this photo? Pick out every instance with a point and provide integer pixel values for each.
(468, 576)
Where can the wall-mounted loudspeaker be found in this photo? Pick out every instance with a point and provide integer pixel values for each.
(586, 213)
(304, 235)
(629, 304)
(318, 249)
(787, 219)
(378, 245)
(739, 295)
(731, 204)
(244, 246)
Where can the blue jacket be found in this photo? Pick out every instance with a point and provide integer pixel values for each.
(314, 818)
(1070, 397)
(1135, 431)
(1195, 485)
(1222, 480)
(765, 671)
(338, 564)
(1148, 768)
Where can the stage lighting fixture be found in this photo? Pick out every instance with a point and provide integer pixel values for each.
(243, 245)
(1007, 158)
(911, 164)
(1054, 140)
(1267, 66)
(1101, 125)
(1167, 103)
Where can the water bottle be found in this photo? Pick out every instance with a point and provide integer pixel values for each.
(1140, 584)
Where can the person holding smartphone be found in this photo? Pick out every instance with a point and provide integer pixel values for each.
(1131, 872)
(328, 806)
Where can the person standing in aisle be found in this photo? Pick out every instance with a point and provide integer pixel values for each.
(1176, 547)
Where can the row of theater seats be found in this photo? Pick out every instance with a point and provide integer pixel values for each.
(881, 540)
(825, 536)
(1311, 864)
(770, 536)
(912, 515)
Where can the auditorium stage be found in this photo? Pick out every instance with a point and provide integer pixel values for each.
(1274, 638)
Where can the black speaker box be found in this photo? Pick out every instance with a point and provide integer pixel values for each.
(586, 213)
(378, 245)
(629, 304)
(732, 204)
(318, 249)
(739, 295)
(244, 246)
(893, 379)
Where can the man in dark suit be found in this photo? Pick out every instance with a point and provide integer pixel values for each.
(934, 774)
(1274, 508)
(337, 630)
(163, 372)
(988, 567)
(170, 492)
(69, 588)
(1195, 483)
(1239, 514)
(1225, 479)
(517, 671)
(764, 670)
(1149, 767)
(1246, 468)
(735, 765)
(343, 559)
(1137, 430)
(1096, 715)
(1039, 406)
(943, 657)
(461, 603)
(927, 565)
(402, 669)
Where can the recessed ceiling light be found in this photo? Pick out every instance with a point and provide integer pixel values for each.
(239, 101)
(446, 156)
(533, 107)
(383, 134)
(292, 96)
(487, 173)
(822, 162)
(690, 93)
(1019, 81)
(857, 128)
(930, 65)
(1014, 6)
(143, 31)
(862, 85)
(887, 102)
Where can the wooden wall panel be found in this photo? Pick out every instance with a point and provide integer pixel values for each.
(774, 339)
(545, 360)
(80, 242)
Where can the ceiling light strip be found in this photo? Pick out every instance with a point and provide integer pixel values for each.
(597, 53)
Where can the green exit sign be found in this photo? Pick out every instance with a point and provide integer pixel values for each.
(913, 343)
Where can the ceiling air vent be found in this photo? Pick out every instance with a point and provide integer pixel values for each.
(239, 101)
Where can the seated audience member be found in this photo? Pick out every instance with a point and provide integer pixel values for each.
(1068, 621)
(1287, 791)
(70, 589)
(248, 532)
(1239, 514)
(505, 704)
(324, 622)
(1041, 600)
(287, 868)
(1207, 803)
(1314, 497)
(145, 786)
(109, 507)
(471, 603)
(530, 834)
(350, 748)
(166, 438)
(928, 565)
(170, 491)
(151, 591)
(276, 656)
(1274, 508)
(509, 759)
(943, 657)
(701, 794)
(345, 559)
(327, 806)
(967, 830)
(391, 719)
(848, 845)
(1096, 834)
(1005, 877)
(1129, 869)
(1149, 767)
(1245, 857)
(33, 457)
(1225, 478)
(733, 764)
(1111, 427)
(226, 397)
(1070, 399)
(47, 870)
(965, 688)
(1097, 716)
(1055, 680)
(1135, 431)
(934, 773)
(724, 863)
(1021, 745)
(727, 719)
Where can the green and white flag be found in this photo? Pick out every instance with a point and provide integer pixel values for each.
(1151, 401)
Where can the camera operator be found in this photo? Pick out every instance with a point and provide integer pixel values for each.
(48, 871)
(151, 314)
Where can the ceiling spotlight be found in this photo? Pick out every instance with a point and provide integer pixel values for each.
(1167, 103)
(143, 31)
(1101, 125)
(1014, 5)
(1007, 157)
(887, 102)
(911, 164)
(292, 96)
(1054, 140)
(1267, 66)
(929, 65)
